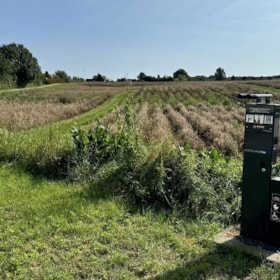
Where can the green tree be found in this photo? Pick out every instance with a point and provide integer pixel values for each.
(6, 76)
(62, 75)
(5, 66)
(99, 78)
(220, 74)
(141, 77)
(180, 75)
(19, 63)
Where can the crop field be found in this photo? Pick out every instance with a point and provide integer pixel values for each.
(124, 181)
(27, 109)
(200, 115)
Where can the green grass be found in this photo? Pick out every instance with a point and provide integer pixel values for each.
(54, 230)
(268, 89)
(31, 93)
(57, 230)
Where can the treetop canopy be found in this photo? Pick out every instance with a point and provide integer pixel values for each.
(17, 65)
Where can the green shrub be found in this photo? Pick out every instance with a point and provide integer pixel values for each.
(101, 145)
(207, 189)
(200, 185)
(92, 150)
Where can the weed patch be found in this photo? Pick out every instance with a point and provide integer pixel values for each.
(199, 185)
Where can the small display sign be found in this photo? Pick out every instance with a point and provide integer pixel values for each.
(275, 208)
(259, 122)
(259, 118)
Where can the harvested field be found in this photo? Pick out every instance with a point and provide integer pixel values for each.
(33, 108)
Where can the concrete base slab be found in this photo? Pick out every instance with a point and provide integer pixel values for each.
(231, 237)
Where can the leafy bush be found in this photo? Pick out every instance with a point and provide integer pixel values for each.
(196, 186)
(101, 145)
(92, 149)
(199, 185)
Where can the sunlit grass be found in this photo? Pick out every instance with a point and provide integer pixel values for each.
(52, 229)
(57, 230)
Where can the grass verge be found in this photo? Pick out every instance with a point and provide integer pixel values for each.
(51, 230)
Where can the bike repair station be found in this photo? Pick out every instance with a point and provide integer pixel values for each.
(260, 210)
(259, 231)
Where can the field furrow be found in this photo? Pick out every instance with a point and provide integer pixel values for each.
(182, 129)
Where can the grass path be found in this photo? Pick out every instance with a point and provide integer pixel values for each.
(29, 88)
(96, 113)
(85, 118)
(46, 142)
(268, 89)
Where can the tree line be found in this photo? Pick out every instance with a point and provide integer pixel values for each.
(19, 68)
(182, 75)
(178, 75)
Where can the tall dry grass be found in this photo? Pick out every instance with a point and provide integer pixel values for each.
(182, 129)
(35, 107)
(211, 125)
(16, 116)
(153, 124)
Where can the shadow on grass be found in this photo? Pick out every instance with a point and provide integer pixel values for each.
(221, 263)
(104, 183)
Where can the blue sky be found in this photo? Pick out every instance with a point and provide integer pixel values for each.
(121, 38)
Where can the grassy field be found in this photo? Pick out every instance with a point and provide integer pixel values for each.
(56, 228)
(25, 109)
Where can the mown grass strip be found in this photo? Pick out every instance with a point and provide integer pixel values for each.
(33, 88)
(96, 113)
(268, 89)
(41, 145)
(87, 118)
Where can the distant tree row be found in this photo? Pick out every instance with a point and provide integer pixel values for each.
(182, 75)
(19, 68)
(98, 78)
(179, 75)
